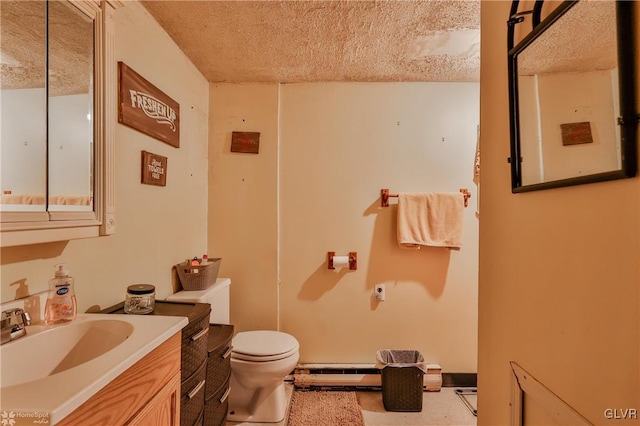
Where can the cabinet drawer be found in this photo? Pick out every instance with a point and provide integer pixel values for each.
(219, 359)
(132, 391)
(194, 346)
(192, 398)
(200, 419)
(215, 408)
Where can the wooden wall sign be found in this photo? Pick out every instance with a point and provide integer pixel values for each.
(154, 169)
(247, 142)
(146, 108)
(576, 133)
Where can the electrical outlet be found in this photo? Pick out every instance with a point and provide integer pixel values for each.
(379, 292)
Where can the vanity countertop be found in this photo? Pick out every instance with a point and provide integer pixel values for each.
(54, 396)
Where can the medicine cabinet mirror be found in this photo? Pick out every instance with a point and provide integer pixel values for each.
(572, 95)
(56, 141)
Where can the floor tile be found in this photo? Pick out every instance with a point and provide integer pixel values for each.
(438, 408)
(443, 408)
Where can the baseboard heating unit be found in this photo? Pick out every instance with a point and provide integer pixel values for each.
(353, 376)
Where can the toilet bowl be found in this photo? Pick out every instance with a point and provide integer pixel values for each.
(260, 361)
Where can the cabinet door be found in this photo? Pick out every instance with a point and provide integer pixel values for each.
(128, 394)
(163, 409)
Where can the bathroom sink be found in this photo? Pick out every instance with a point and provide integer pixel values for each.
(54, 369)
(66, 346)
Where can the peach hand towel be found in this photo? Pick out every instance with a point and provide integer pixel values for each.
(433, 219)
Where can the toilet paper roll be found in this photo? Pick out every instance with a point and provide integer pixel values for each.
(340, 262)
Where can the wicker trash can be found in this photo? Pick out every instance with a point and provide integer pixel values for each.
(402, 379)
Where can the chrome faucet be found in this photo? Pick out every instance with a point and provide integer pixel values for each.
(14, 322)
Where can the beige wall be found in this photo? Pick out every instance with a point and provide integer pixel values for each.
(157, 227)
(332, 147)
(574, 105)
(242, 200)
(559, 283)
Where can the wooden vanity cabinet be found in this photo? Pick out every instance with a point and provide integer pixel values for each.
(146, 394)
(163, 409)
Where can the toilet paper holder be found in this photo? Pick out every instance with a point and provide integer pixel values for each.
(352, 260)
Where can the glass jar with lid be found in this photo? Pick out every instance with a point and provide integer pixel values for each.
(140, 299)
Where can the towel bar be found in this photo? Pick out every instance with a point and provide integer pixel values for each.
(385, 195)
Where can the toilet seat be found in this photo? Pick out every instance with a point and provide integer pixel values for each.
(263, 345)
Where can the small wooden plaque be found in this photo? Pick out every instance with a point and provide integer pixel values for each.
(576, 133)
(154, 169)
(247, 142)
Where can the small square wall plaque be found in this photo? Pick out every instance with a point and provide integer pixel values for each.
(154, 169)
(246, 142)
(576, 133)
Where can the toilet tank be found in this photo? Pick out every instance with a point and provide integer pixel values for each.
(217, 296)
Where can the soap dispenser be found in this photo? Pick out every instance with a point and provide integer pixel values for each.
(61, 303)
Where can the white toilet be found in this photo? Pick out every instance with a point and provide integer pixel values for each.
(260, 360)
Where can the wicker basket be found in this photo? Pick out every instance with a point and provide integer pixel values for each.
(402, 379)
(402, 388)
(198, 277)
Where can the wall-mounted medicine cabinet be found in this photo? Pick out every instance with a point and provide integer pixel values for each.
(57, 101)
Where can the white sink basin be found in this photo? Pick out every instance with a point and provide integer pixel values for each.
(55, 369)
(65, 346)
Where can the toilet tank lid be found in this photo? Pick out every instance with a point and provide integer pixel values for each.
(200, 295)
(264, 343)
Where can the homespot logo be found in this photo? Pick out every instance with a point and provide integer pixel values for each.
(621, 413)
(17, 418)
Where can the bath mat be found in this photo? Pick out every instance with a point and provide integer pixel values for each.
(325, 408)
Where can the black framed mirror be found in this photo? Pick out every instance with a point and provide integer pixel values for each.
(572, 95)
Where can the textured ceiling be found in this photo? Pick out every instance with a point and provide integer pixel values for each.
(595, 49)
(311, 41)
(23, 41)
(301, 41)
